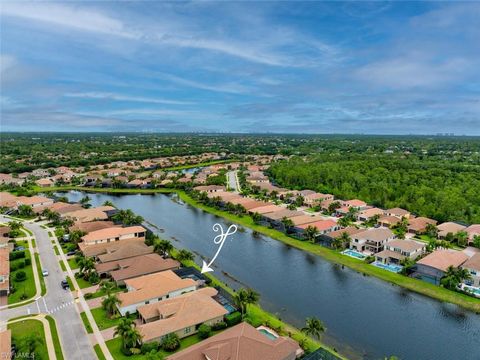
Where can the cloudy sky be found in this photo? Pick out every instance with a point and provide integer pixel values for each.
(304, 67)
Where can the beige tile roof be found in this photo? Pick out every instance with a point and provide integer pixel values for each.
(124, 252)
(92, 226)
(473, 230)
(32, 200)
(85, 215)
(241, 342)
(279, 215)
(350, 230)
(398, 212)
(99, 249)
(5, 344)
(112, 232)
(267, 209)
(375, 234)
(442, 259)
(321, 225)
(406, 245)
(368, 213)
(153, 286)
(473, 262)
(305, 219)
(175, 314)
(449, 227)
(419, 223)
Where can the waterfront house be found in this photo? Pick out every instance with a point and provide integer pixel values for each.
(149, 289)
(128, 268)
(114, 234)
(116, 250)
(398, 250)
(58, 207)
(473, 267)
(275, 217)
(34, 201)
(449, 228)
(181, 315)
(87, 215)
(46, 182)
(267, 209)
(418, 225)
(305, 219)
(242, 342)
(87, 227)
(433, 266)
(323, 226)
(372, 240)
(210, 188)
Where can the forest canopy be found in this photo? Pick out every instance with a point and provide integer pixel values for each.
(443, 190)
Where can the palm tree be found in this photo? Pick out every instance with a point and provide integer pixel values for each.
(313, 327)
(85, 265)
(75, 236)
(108, 287)
(126, 329)
(30, 343)
(162, 247)
(462, 238)
(256, 217)
(85, 202)
(244, 297)
(287, 223)
(342, 241)
(184, 255)
(311, 233)
(108, 203)
(431, 230)
(109, 304)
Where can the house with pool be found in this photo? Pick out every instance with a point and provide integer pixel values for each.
(371, 241)
(397, 250)
(473, 267)
(433, 266)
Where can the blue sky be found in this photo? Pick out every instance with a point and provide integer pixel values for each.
(303, 67)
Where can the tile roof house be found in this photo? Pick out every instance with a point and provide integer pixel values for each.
(92, 226)
(34, 201)
(367, 214)
(372, 240)
(181, 315)
(6, 344)
(210, 188)
(316, 198)
(241, 342)
(115, 233)
(355, 203)
(323, 226)
(473, 267)
(398, 212)
(124, 269)
(151, 288)
(472, 231)
(449, 227)
(116, 250)
(8, 200)
(45, 182)
(59, 207)
(419, 224)
(4, 271)
(397, 250)
(388, 220)
(433, 266)
(86, 215)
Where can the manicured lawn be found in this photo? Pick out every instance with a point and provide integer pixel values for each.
(73, 263)
(26, 287)
(99, 352)
(82, 283)
(70, 283)
(56, 340)
(34, 244)
(103, 321)
(28, 327)
(100, 293)
(39, 270)
(55, 248)
(86, 323)
(62, 265)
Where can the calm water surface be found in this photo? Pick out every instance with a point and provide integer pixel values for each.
(365, 318)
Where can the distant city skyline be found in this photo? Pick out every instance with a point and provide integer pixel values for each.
(241, 67)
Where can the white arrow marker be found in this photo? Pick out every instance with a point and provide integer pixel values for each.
(219, 239)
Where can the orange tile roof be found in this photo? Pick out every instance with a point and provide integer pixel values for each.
(112, 232)
(442, 259)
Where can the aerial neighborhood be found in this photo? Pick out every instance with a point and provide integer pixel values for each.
(145, 296)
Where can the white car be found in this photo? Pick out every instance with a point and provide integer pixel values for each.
(45, 272)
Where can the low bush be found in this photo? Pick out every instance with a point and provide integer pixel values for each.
(20, 276)
(148, 347)
(233, 318)
(28, 262)
(204, 331)
(171, 342)
(88, 296)
(219, 326)
(14, 255)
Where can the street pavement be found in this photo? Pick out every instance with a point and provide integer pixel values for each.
(233, 181)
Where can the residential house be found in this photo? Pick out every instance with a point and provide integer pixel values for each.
(398, 212)
(151, 288)
(34, 201)
(210, 188)
(4, 271)
(45, 182)
(87, 215)
(267, 209)
(5, 344)
(275, 218)
(418, 225)
(433, 266)
(449, 228)
(128, 268)
(316, 199)
(58, 207)
(398, 250)
(241, 342)
(87, 227)
(472, 231)
(473, 267)
(116, 250)
(181, 315)
(114, 234)
(372, 240)
(322, 226)
(355, 203)
(367, 214)
(388, 220)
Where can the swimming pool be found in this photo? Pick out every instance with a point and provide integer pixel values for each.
(354, 254)
(472, 289)
(267, 334)
(389, 267)
(229, 308)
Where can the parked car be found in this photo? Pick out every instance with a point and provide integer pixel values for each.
(65, 285)
(45, 272)
(19, 248)
(71, 253)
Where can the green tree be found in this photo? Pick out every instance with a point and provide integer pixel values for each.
(313, 327)
(108, 287)
(245, 297)
(131, 337)
(162, 247)
(311, 233)
(256, 217)
(184, 255)
(171, 342)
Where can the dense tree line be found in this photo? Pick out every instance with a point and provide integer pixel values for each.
(443, 190)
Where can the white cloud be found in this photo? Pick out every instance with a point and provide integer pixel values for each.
(231, 88)
(119, 97)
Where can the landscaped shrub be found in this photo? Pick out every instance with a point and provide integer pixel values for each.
(369, 259)
(219, 326)
(204, 331)
(20, 264)
(171, 342)
(135, 351)
(233, 318)
(28, 262)
(88, 296)
(14, 255)
(20, 276)
(148, 347)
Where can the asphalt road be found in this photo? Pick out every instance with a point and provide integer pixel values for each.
(232, 181)
(57, 303)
